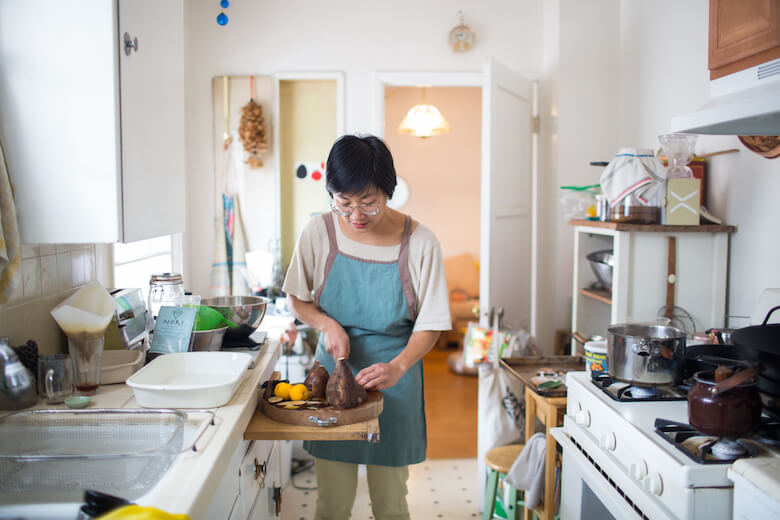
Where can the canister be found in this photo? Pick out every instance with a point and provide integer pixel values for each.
(596, 355)
(164, 289)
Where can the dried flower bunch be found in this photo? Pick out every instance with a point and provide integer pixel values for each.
(251, 132)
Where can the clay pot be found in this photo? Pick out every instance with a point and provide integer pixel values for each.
(733, 413)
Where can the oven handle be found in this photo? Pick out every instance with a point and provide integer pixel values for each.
(595, 480)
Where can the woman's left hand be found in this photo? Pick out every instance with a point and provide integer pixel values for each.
(379, 376)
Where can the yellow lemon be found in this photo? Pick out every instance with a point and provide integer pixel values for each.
(283, 390)
(299, 392)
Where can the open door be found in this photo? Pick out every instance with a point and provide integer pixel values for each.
(506, 224)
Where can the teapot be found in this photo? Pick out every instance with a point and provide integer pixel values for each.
(17, 386)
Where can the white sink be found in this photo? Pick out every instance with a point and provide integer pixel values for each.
(65, 506)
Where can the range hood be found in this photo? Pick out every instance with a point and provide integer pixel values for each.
(744, 103)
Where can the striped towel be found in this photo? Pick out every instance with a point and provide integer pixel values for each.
(632, 171)
(10, 244)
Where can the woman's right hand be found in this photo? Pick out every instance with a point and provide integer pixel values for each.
(336, 340)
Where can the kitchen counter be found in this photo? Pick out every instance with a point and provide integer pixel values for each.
(192, 480)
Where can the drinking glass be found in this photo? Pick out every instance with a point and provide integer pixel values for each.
(87, 357)
(55, 378)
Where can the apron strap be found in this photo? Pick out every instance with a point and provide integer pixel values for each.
(332, 252)
(403, 268)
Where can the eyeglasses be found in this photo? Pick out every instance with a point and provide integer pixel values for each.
(345, 211)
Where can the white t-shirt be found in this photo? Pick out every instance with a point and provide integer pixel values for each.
(426, 268)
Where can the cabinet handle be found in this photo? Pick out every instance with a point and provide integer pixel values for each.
(260, 470)
(130, 44)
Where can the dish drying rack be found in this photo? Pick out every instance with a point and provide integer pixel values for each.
(122, 452)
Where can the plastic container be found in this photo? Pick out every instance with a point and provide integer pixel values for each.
(118, 365)
(189, 379)
(596, 355)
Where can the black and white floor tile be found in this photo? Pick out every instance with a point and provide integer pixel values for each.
(442, 488)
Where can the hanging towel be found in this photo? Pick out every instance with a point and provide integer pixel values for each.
(632, 171)
(10, 245)
(229, 275)
(527, 472)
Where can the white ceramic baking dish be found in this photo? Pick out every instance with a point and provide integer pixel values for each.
(189, 379)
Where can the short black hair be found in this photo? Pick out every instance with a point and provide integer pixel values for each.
(359, 163)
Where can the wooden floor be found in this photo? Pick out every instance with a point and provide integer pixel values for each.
(450, 409)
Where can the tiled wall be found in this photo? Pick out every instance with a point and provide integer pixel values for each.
(50, 273)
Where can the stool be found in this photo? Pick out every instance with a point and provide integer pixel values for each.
(498, 461)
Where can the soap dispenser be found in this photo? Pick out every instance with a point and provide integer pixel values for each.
(17, 385)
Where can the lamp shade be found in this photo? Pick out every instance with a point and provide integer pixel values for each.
(424, 121)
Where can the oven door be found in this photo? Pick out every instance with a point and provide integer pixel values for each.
(586, 493)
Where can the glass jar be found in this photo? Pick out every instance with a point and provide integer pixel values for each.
(631, 210)
(164, 289)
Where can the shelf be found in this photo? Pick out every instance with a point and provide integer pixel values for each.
(655, 228)
(601, 295)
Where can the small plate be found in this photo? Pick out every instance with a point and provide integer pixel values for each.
(78, 401)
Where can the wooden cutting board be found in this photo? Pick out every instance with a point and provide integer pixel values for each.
(327, 416)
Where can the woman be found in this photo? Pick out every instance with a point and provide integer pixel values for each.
(372, 281)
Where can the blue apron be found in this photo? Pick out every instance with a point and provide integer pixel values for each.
(375, 304)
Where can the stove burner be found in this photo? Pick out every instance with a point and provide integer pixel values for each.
(624, 392)
(727, 449)
(702, 448)
(638, 392)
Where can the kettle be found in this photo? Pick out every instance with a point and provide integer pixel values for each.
(17, 385)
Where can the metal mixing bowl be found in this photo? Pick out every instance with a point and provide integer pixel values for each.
(601, 262)
(208, 340)
(245, 311)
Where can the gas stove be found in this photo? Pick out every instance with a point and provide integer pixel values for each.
(617, 465)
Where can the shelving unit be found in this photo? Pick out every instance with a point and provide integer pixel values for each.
(639, 277)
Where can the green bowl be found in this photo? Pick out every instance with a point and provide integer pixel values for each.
(78, 401)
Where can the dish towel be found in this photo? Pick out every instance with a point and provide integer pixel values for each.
(527, 472)
(10, 245)
(632, 171)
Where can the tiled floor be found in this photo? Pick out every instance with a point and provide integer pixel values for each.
(440, 488)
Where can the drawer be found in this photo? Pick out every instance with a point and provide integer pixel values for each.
(261, 427)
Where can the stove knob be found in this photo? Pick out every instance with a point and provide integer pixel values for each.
(608, 441)
(653, 484)
(582, 418)
(639, 469)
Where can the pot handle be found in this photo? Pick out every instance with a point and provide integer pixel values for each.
(736, 379)
(642, 348)
(769, 314)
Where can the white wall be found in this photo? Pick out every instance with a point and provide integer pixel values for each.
(356, 37)
(663, 70)
(615, 72)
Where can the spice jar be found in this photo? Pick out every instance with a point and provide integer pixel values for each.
(164, 289)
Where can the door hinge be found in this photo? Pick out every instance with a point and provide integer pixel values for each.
(535, 122)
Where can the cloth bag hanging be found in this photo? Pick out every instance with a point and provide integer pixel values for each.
(500, 412)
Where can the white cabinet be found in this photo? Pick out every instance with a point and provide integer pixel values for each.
(93, 130)
(639, 278)
(246, 488)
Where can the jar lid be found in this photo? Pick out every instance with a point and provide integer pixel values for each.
(165, 278)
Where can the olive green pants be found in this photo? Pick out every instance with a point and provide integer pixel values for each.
(337, 487)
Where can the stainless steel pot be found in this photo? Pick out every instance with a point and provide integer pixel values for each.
(646, 355)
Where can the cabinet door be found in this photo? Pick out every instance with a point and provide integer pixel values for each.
(151, 79)
(58, 118)
(743, 34)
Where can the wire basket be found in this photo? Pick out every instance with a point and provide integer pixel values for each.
(122, 452)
